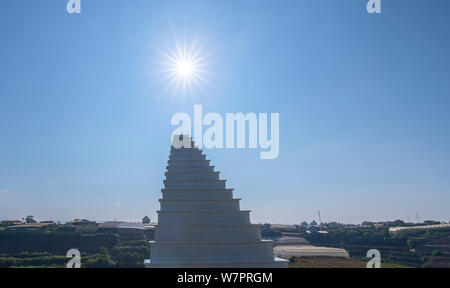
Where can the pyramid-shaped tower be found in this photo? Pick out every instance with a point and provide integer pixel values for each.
(200, 224)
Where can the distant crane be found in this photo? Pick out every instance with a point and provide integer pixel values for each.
(417, 218)
(320, 220)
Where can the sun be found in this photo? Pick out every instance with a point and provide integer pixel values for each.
(185, 67)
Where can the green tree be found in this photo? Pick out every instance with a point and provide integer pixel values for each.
(146, 220)
(411, 243)
(436, 253)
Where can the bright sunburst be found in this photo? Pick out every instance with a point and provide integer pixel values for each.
(185, 67)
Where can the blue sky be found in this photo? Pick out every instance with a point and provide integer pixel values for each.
(363, 102)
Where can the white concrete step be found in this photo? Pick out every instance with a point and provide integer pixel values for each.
(198, 157)
(192, 176)
(197, 194)
(185, 150)
(166, 252)
(207, 233)
(204, 218)
(194, 184)
(188, 163)
(199, 205)
(189, 169)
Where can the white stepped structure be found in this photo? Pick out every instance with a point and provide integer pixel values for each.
(200, 224)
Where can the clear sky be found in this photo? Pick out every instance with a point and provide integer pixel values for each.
(363, 100)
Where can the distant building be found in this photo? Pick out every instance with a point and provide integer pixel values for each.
(396, 223)
(11, 222)
(30, 219)
(150, 225)
(287, 251)
(48, 222)
(121, 227)
(81, 222)
(289, 240)
(31, 226)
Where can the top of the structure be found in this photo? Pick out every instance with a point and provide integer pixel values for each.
(182, 141)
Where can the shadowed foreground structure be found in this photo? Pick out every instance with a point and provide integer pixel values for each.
(200, 224)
